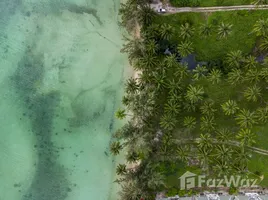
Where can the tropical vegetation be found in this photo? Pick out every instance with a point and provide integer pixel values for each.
(206, 118)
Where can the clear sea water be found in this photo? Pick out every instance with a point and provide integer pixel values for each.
(61, 80)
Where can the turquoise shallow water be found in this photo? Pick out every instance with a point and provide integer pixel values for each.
(61, 77)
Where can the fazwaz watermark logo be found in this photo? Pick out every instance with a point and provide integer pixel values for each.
(190, 180)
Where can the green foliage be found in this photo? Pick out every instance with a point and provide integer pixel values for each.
(224, 30)
(233, 190)
(207, 123)
(245, 118)
(115, 148)
(260, 2)
(166, 31)
(236, 76)
(189, 122)
(250, 61)
(262, 115)
(208, 108)
(264, 44)
(215, 76)
(261, 27)
(234, 59)
(168, 122)
(246, 137)
(186, 31)
(205, 117)
(185, 48)
(172, 192)
(120, 114)
(206, 30)
(230, 107)
(182, 3)
(212, 48)
(195, 93)
(121, 169)
(199, 72)
(252, 93)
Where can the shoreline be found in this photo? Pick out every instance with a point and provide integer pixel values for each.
(120, 159)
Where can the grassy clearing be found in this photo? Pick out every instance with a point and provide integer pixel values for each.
(206, 3)
(212, 47)
(259, 163)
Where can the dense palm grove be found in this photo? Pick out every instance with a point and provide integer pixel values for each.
(204, 117)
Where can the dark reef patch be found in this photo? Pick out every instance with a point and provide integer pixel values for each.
(50, 181)
(81, 9)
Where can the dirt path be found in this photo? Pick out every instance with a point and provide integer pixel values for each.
(233, 143)
(172, 10)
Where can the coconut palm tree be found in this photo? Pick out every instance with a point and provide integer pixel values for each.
(252, 93)
(205, 141)
(132, 86)
(208, 108)
(182, 71)
(185, 48)
(206, 30)
(186, 31)
(130, 191)
(173, 86)
(250, 62)
(221, 167)
(121, 169)
(147, 61)
(152, 32)
(245, 118)
(120, 114)
(170, 61)
(223, 153)
(264, 73)
(241, 158)
(230, 107)
(224, 30)
(194, 93)
(183, 153)
(264, 44)
(159, 80)
(261, 27)
(246, 137)
(262, 115)
(189, 122)
(126, 100)
(215, 76)
(189, 106)
(167, 142)
(199, 72)
(166, 31)
(156, 180)
(168, 122)
(151, 47)
(132, 157)
(253, 75)
(224, 135)
(235, 77)
(115, 148)
(207, 123)
(172, 107)
(146, 15)
(234, 59)
(203, 155)
(134, 48)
